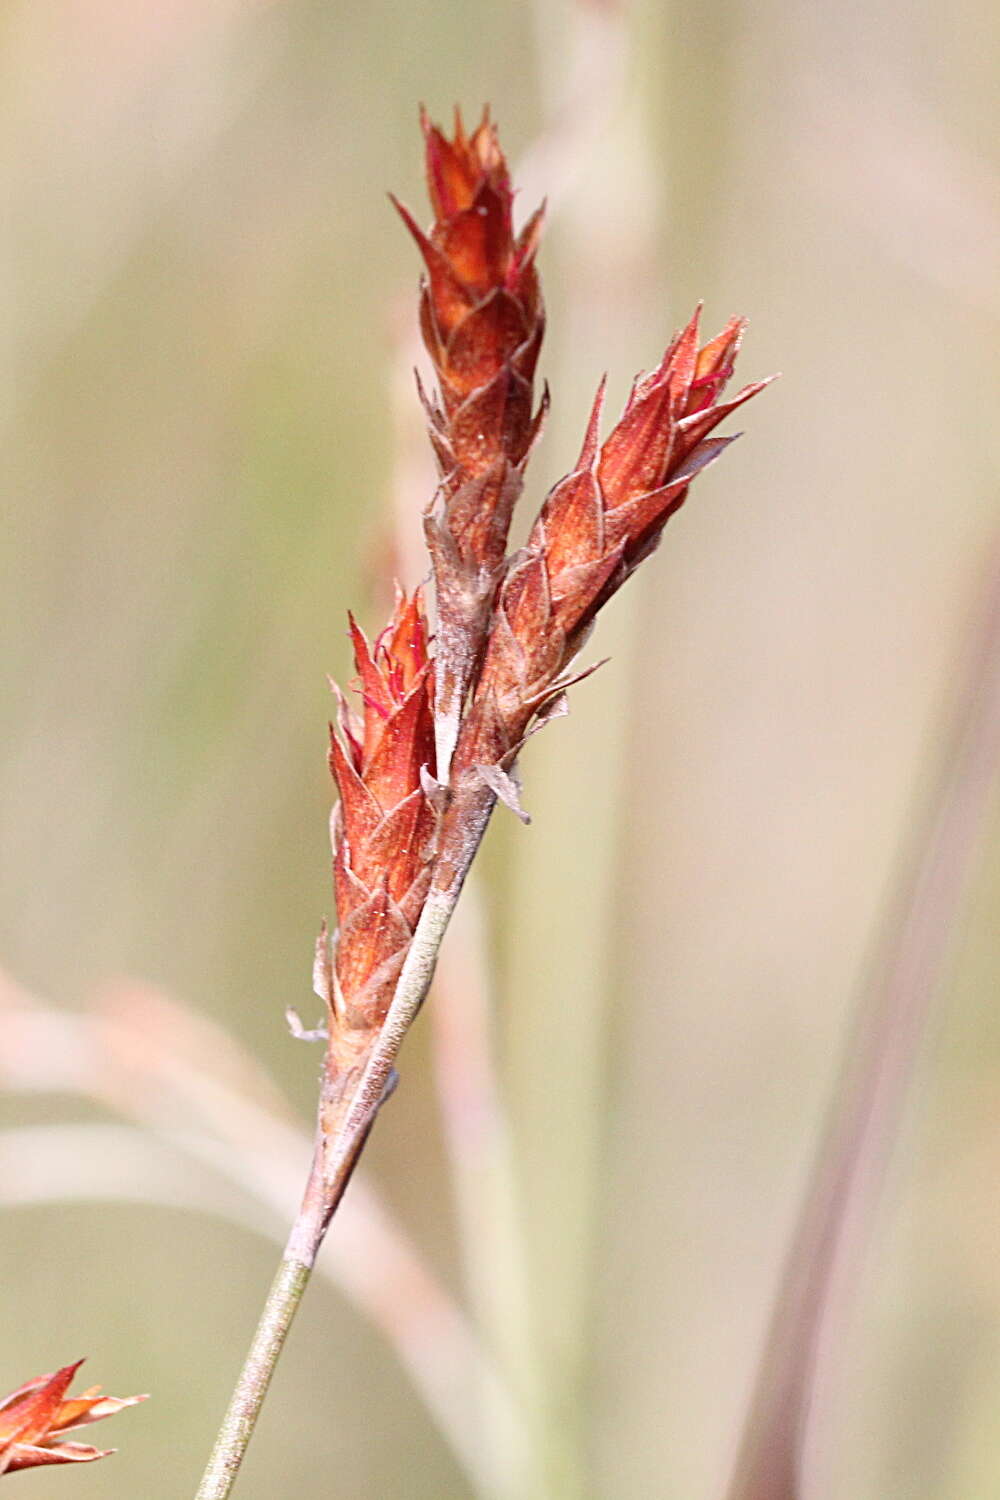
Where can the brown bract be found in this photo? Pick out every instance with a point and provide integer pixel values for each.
(482, 322)
(381, 758)
(35, 1416)
(594, 528)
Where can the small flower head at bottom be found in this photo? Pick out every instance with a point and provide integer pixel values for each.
(34, 1418)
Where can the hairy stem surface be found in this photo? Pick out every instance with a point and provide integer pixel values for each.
(279, 1309)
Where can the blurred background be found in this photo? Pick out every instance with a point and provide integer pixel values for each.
(208, 426)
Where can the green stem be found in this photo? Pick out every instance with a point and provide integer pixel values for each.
(279, 1309)
(336, 1154)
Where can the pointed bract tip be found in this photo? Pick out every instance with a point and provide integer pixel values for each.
(408, 219)
(591, 438)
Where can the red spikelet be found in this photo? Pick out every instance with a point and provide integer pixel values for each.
(35, 1418)
(482, 322)
(383, 826)
(595, 527)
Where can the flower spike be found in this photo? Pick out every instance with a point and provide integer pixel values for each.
(594, 529)
(380, 756)
(482, 323)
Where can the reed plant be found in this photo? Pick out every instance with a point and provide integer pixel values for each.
(427, 738)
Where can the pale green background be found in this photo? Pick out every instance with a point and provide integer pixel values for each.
(200, 282)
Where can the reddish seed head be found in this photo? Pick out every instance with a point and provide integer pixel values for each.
(610, 511)
(482, 322)
(379, 761)
(481, 313)
(595, 527)
(34, 1418)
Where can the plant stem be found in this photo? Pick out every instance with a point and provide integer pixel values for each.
(279, 1309)
(336, 1156)
(835, 1214)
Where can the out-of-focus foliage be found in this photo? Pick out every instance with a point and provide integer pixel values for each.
(202, 289)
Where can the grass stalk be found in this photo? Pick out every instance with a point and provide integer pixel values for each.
(280, 1306)
(835, 1217)
(333, 1163)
